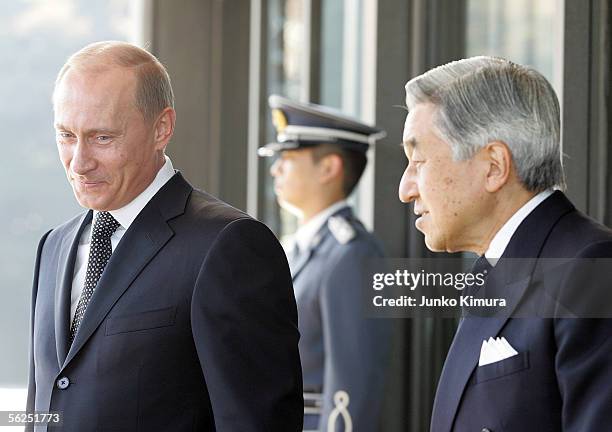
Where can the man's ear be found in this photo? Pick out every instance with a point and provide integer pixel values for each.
(330, 167)
(164, 128)
(498, 158)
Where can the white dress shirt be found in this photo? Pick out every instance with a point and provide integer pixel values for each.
(502, 238)
(305, 234)
(125, 216)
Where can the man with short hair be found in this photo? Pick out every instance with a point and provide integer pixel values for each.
(160, 308)
(482, 141)
(321, 156)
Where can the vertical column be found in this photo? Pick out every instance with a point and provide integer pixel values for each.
(412, 36)
(205, 46)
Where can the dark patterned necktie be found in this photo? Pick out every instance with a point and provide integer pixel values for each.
(481, 265)
(99, 253)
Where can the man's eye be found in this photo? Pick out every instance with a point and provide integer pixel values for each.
(103, 138)
(65, 135)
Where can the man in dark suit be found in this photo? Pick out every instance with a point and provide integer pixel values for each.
(160, 308)
(321, 157)
(482, 140)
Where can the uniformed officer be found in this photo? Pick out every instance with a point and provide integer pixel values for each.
(321, 156)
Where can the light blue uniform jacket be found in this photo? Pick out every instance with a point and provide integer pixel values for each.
(340, 349)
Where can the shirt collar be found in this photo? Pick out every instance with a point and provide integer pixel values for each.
(502, 238)
(306, 233)
(128, 213)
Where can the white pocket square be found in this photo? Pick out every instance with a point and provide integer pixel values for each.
(494, 350)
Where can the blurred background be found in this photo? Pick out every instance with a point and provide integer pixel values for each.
(225, 57)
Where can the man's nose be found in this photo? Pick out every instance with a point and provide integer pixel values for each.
(408, 190)
(275, 168)
(82, 159)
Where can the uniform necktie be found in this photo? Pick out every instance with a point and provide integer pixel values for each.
(294, 257)
(99, 253)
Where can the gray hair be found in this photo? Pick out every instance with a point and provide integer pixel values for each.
(485, 99)
(154, 91)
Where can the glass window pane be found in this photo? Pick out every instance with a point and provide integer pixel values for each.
(340, 73)
(285, 76)
(332, 40)
(524, 31)
(36, 39)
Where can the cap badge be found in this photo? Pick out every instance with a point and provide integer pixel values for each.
(279, 120)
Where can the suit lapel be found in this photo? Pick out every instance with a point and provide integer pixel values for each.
(464, 352)
(300, 262)
(504, 281)
(317, 241)
(68, 251)
(141, 242)
(312, 250)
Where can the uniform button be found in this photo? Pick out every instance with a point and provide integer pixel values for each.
(63, 383)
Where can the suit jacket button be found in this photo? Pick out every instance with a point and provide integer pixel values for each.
(63, 383)
(486, 430)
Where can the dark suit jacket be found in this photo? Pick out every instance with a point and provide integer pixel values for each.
(192, 327)
(561, 378)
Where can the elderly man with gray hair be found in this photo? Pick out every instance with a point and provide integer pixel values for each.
(485, 174)
(160, 307)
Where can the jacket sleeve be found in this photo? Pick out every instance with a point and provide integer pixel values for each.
(30, 405)
(356, 347)
(244, 324)
(583, 362)
(584, 371)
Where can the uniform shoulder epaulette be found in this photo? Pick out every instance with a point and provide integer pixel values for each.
(341, 229)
